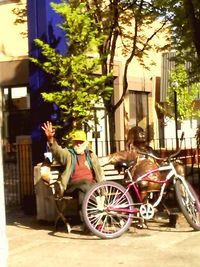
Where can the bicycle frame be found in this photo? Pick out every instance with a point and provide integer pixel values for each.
(172, 173)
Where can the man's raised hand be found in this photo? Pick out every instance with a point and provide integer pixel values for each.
(49, 131)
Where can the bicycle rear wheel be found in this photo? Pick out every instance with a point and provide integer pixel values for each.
(101, 210)
(189, 208)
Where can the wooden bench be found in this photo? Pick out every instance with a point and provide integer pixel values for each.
(52, 207)
(111, 174)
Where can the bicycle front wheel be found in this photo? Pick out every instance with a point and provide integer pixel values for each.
(189, 208)
(107, 210)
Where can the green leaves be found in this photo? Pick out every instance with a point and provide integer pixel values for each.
(186, 93)
(80, 27)
(78, 84)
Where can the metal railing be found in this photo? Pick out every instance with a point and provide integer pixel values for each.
(18, 169)
(18, 173)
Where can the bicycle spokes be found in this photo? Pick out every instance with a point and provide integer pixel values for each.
(107, 210)
(189, 203)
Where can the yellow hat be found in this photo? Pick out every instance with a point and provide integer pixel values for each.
(78, 135)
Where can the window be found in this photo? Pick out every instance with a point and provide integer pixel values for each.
(16, 112)
(16, 98)
(138, 109)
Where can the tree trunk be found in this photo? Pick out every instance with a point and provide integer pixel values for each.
(111, 121)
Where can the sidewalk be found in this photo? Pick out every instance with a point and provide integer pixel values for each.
(33, 244)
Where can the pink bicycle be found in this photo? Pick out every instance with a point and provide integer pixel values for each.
(108, 208)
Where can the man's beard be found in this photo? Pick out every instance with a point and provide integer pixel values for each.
(80, 149)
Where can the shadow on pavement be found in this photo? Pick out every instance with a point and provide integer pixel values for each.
(16, 217)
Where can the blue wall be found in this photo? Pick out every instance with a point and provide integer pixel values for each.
(42, 21)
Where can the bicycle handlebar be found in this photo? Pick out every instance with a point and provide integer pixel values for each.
(166, 158)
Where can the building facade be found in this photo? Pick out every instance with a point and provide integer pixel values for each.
(21, 83)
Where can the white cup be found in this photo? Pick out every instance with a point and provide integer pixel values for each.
(48, 155)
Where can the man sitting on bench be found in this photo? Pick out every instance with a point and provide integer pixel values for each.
(81, 167)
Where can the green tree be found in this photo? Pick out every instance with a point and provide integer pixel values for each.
(186, 94)
(103, 26)
(132, 24)
(184, 18)
(77, 85)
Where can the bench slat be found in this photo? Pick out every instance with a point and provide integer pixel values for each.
(111, 173)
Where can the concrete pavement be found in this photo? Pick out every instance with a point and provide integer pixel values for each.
(32, 244)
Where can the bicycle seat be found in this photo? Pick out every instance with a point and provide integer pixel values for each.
(123, 165)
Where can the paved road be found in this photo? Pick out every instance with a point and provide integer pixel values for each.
(34, 245)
